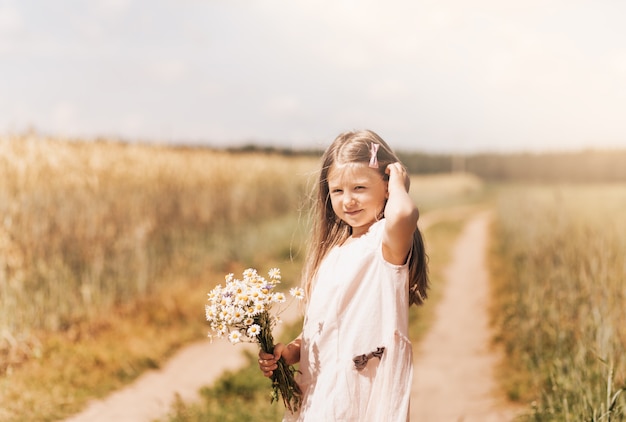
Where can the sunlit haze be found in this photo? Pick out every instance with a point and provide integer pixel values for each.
(434, 76)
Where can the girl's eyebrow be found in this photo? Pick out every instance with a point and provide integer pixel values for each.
(361, 182)
(349, 183)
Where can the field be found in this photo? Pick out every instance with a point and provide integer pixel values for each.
(243, 395)
(107, 251)
(91, 225)
(560, 272)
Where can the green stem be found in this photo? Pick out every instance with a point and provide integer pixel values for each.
(283, 381)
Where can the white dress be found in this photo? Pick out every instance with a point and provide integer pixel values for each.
(359, 305)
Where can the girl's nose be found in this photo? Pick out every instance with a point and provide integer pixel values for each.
(350, 200)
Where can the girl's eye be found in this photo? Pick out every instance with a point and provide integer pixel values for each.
(336, 191)
(359, 187)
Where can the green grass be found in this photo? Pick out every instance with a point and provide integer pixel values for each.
(237, 396)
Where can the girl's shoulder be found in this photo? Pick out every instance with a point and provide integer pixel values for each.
(374, 236)
(377, 228)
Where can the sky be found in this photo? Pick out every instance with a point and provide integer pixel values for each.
(439, 76)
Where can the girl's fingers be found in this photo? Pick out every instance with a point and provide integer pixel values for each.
(390, 167)
(268, 361)
(397, 170)
(263, 355)
(267, 366)
(395, 166)
(278, 350)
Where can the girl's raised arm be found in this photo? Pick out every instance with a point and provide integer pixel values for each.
(401, 215)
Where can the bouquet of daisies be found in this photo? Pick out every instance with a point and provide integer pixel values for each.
(241, 311)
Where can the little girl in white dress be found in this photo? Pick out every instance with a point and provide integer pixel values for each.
(366, 266)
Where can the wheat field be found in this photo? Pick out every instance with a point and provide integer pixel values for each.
(84, 225)
(561, 291)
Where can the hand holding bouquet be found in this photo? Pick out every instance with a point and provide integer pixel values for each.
(241, 311)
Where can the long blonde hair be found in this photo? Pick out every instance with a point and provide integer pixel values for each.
(327, 230)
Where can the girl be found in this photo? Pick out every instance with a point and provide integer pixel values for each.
(366, 266)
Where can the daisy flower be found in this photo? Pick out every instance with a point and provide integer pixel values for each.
(223, 315)
(211, 312)
(254, 330)
(279, 297)
(241, 299)
(297, 292)
(256, 294)
(237, 314)
(221, 330)
(213, 294)
(243, 310)
(234, 336)
(249, 273)
(239, 288)
(274, 273)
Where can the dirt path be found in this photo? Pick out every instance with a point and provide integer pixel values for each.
(152, 394)
(454, 364)
(453, 376)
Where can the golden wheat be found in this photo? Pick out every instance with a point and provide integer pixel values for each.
(86, 224)
(562, 299)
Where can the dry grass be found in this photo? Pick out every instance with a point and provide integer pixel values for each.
(86, 225)
(105, 253)
(96, 356)
(93, 358)
(90, 229)
(560, 275)
(447, 190)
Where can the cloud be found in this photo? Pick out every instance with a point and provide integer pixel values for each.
(170, 70)
(10, 19)
(283, 106)
(65, 118)
(617, 62)
(11, 27)
(112, 8)
(449, 73)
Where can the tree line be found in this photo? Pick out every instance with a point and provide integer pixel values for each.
(585, 166)
(579, 167)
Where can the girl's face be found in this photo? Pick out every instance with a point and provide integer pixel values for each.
(358, 194)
